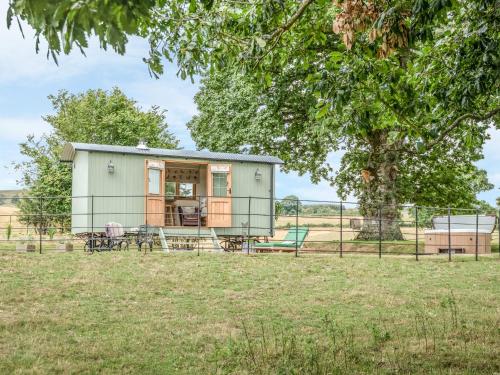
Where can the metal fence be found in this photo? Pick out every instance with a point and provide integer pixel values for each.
(256, 225)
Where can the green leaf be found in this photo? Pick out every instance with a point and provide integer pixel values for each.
(192, 6)
(261, 42)
(336, 56)
(10, 14)
(322, 112)
(269, 79)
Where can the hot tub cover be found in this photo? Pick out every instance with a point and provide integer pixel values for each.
(464, 223)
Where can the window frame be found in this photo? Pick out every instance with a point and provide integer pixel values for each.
(214, 179)
(158, 186)
(177, 195)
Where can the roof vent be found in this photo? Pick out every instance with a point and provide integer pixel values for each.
(142, 145)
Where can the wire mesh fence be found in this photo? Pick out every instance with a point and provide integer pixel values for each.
(243, 224)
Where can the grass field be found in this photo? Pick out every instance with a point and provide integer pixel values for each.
(124, 312)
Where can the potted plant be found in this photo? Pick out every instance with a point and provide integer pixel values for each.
(26, 245)
(65, 245)
(51, 232)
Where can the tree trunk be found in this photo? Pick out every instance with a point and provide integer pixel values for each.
(379, 200)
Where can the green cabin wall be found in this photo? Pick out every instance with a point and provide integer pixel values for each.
(80, 192)
(245, 186)
(119, 196)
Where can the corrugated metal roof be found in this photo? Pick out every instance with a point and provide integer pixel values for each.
(70, 149)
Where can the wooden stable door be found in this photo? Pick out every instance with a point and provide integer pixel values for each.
(219, 196)
(154, 176)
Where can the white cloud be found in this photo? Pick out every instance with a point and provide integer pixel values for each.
(15, 129)
(492, 146)
(171, 94)
(494, 178)
(21, 65)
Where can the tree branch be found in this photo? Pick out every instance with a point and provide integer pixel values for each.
(276, 35)
(458, 121)
(292, 20)
(449, 129)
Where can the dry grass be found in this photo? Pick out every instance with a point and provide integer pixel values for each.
(123, 312)
(8, 214)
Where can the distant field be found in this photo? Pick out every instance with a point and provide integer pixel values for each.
(7, 197)
(8, 214)
(124, 312)
(10, 193)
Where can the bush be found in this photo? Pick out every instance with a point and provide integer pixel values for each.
(9, 231)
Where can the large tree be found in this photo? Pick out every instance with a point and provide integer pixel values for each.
(95, 116)
(398, 83)
(233, 109)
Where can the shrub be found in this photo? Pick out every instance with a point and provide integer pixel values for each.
(51, 232)
(9, 231)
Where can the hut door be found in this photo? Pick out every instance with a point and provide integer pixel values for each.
(219, 196)
(155, 194)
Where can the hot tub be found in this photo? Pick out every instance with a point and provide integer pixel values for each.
(462, 234)
(462, 241)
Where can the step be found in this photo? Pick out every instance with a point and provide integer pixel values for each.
(190, 238)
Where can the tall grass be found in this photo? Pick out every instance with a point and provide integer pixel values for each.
(439, 341)
(8, 231)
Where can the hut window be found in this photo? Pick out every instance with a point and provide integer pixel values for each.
(179, 190)
(219, 184)
(171, 190)
(154, 181)
(186, 190)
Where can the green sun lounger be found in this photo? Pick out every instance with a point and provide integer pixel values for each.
(294, 235)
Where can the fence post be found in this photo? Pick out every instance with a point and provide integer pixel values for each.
(498, 225)
(297, 228)
(380, 231)
(416, 233)
(199, 223)
(341, 228)
(477, 233)
(248, 230)
(146, 221)
(449, 234)
(40, 226)
(92, 243)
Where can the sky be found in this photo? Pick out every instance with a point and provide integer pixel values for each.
(27, 78)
